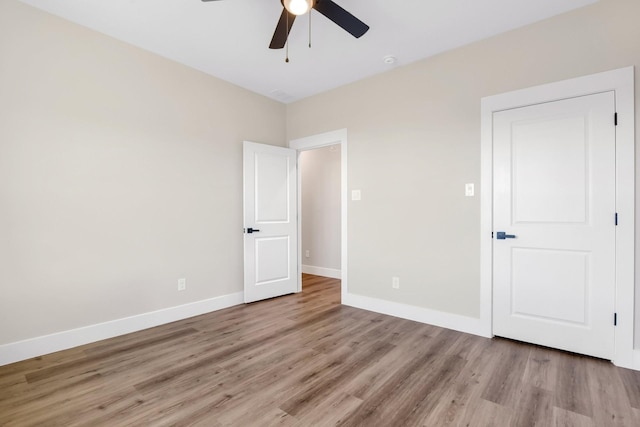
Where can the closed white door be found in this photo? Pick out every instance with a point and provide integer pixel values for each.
(554, 224)
(270, 221)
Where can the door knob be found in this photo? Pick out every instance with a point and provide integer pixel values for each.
(501, 235)
(252, 230)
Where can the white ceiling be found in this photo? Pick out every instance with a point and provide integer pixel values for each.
(229, 38)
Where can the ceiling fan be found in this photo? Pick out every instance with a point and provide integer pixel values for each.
(328, 8)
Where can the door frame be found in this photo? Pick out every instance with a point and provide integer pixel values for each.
(621, 82)
(337, 137)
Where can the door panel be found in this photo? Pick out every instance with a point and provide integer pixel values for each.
(271, 188)
(565, 276)
(272, 259)
(270, 204)
(550, 154)
(554, 190)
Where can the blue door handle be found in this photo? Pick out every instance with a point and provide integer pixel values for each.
(501, 235)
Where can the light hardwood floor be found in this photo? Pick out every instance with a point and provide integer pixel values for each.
(305, 360)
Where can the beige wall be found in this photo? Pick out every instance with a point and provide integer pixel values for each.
(120, 172)
(321, 233)
(414, 141)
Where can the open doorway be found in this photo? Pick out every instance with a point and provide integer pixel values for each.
(338, 139)
(320, 211)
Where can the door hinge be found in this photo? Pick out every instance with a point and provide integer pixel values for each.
(492, 234)
(616, 218)
(615, 319)
(615, 119)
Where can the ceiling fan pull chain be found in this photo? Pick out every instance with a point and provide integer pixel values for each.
(287, 42)
(309, 28)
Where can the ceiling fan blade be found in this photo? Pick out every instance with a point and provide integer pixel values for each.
(341, 17)
(282, 30)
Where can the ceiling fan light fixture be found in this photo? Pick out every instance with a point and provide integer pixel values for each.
(298, 7)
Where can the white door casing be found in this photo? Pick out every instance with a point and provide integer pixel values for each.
(270, 221)
(621, 82)
(554, 190)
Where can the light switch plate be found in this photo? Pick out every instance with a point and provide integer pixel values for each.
(469, 190)
(356, 195)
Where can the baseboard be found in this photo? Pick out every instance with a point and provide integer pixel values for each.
(442, 319)
(322, 271)
(636, 360)
(22, 350)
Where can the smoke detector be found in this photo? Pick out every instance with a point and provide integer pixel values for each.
(389, 59)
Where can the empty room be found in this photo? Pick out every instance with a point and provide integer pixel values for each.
(319, 213)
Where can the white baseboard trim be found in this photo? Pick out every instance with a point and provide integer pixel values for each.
(636, 360)
(22, 350)
(442, 319)
(322, 271)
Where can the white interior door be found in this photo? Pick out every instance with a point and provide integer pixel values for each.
(554, 200)
(270, 221)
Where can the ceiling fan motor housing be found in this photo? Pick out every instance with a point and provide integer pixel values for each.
(298, 7)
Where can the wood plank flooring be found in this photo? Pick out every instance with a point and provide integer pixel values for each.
(305, 360)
